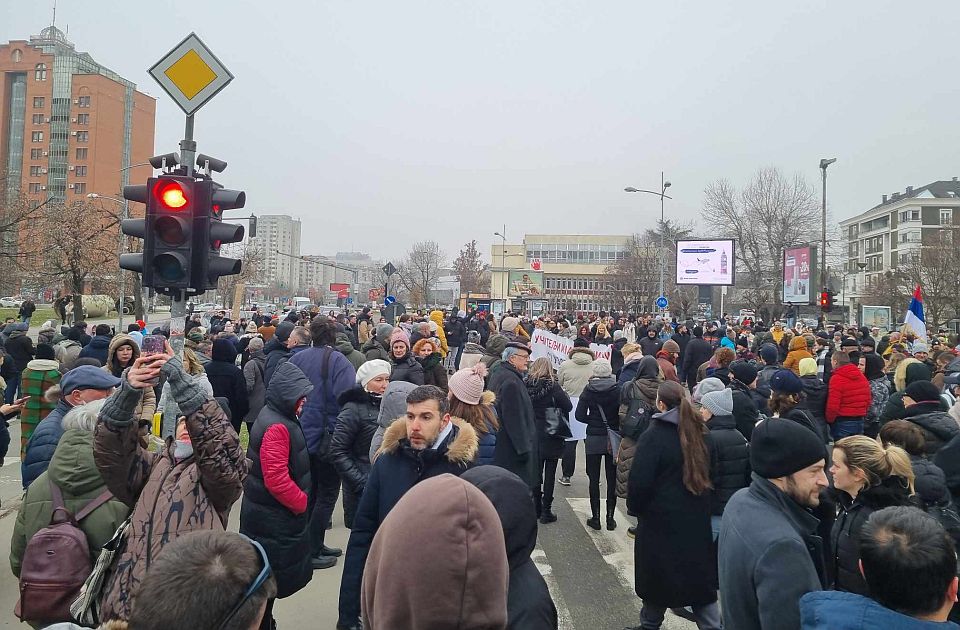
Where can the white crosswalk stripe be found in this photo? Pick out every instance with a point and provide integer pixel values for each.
(616, 548)
(539, 557)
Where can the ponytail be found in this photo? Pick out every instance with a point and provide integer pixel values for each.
(693, 444)
(898, 463)
(876, 462)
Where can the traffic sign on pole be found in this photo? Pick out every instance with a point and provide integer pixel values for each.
(191, 74)
(387, 301)
(389, 269)
(348, 301)
(662, 301)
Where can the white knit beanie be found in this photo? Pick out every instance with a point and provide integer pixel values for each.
(371, 370)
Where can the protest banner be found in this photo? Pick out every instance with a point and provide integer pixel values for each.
(547, 344)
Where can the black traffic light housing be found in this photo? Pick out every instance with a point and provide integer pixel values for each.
(826, 300)
(212, 233)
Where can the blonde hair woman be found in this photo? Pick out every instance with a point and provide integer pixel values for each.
(548, 398)
(869, 478)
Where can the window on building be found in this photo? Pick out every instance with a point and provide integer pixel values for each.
(35, 171)
(946, 216)
(83, 119)
(40, 72)
(38, 102)
(16, 55)
(36, 154)
(83, 101)
(82, 153)
(83, 136)
(38, 119)
(80, 188)
(37, 136)
(80, 171)
(34, 187)
(909, 215)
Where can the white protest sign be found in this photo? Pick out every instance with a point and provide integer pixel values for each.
(557, 348)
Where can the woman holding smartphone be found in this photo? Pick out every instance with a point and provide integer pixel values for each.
(121, 353)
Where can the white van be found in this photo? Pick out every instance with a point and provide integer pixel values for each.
(300, 303)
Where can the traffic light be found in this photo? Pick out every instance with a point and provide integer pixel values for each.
(212, 233)
(167, 232)
(826, 300)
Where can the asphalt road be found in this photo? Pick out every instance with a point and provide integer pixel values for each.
(589, 573)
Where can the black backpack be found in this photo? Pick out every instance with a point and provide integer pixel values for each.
(948, 517)
(635, 415)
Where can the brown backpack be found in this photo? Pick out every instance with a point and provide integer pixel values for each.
(56, 563)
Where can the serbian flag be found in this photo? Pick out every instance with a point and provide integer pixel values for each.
(914, 320)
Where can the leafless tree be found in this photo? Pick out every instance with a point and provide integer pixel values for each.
(771, 213)
(420, 270)
(79, 245)
(251, 257)
(887, 289)
(631, 285)
(936, 269)
(469, 268)
(18, 221)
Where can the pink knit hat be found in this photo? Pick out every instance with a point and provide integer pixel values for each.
(467, 384)
(399, 334)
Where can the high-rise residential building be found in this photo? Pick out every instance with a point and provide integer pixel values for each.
(69, 126)
(278, 242)
(892, 234)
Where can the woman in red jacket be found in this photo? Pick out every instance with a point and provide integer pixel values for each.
(848, 397)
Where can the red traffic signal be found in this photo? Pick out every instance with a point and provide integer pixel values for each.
(170, 194)
(826, 300)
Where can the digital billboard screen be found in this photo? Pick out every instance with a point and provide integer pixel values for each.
(799, 264)
(709, 263)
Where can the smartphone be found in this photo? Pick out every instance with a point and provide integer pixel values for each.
(153, 344)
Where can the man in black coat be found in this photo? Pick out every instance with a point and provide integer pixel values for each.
(227, 380)
(276, 350)
(529, 604)
(682, 337)
(427, 443)
(516, 448)
(698, 351)
(745, 404)
(650, 345)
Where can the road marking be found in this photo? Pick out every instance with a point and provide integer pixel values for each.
(617, 551)
(539, 557)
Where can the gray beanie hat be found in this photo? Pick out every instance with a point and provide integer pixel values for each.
(601, 367)
(719, 403)
(707, 385)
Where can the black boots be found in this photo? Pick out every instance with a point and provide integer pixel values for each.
(611, 524)
(594, 521)
(546, 514)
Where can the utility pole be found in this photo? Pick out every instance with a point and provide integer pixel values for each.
(824, 163)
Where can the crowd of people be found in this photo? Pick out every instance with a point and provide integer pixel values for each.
(773, 478)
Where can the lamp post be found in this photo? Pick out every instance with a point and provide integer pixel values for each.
(662, 194)
(824, 163)
(124, 213)
(503, 266)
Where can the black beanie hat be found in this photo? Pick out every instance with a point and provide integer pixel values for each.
(45, 351)
(922, 391)
(744, 371)
(580, 342)
(785, 381)
(770, 354)
(781, 447)
(698, 331)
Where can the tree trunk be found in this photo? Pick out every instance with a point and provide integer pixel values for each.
(137, 297)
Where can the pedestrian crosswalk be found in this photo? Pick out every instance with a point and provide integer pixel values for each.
(608, 561)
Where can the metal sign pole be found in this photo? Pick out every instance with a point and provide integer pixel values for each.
(188, 146)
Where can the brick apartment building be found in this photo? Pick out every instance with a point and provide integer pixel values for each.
(69, 126)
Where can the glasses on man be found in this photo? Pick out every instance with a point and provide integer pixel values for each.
(254, 586)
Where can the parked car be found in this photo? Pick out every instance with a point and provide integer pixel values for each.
(10, 302)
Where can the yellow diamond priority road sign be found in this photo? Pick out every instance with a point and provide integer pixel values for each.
(191, 74)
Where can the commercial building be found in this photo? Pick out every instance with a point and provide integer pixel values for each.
(278, 243)
(356, 269)
(890, 235)
(69, 126)
(572, 265)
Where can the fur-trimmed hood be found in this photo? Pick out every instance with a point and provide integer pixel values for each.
(461, 445)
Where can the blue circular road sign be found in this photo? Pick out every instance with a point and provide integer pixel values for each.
(662, 302)
(389, 300)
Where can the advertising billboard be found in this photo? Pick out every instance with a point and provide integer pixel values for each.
(707, 263)
(525, 284)
(799, 264)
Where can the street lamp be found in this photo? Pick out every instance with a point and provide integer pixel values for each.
(662, 194)
(824, 163)
(503, 266)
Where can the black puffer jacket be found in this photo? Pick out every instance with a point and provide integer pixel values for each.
(284, 535)
(814, 400)
(938, 426)
(729, 461)
(406, 369)
(455, 331)
(544, 394)
(948, 459)
(350, 446)
(930, 482)
(600, 393)
(845, 536)
(228, 381)
(745, 413)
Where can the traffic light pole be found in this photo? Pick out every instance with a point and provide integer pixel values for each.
(188, 146)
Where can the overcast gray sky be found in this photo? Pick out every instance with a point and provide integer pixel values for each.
(381, 123)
